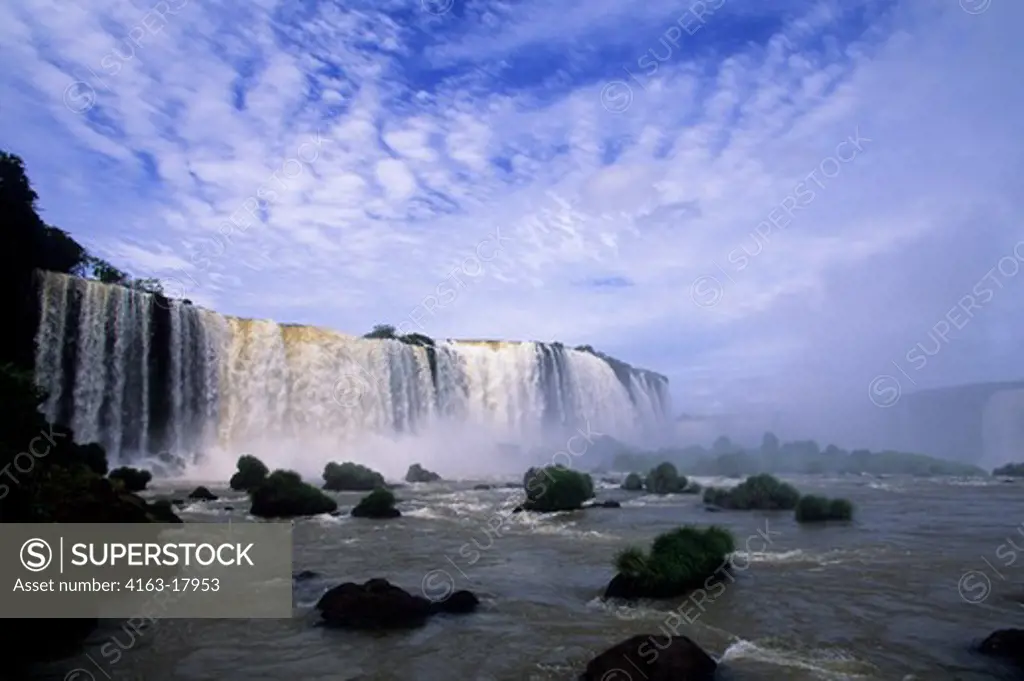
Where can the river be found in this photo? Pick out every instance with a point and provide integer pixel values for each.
(925, 571)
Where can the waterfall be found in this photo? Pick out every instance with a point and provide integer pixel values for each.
(147, 376)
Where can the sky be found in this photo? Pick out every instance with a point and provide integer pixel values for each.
(771, 203)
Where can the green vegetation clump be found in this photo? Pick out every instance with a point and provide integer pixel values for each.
(132, 479)
(633, 483)
(555, 488)
(284, 495)
(758, 492)
(679, 561)
(251, 474)
(816, 509)
(664, 479)
(351, 477)
(1010, 470)
(380, 503)
(725, 458)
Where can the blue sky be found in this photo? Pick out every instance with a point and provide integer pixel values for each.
(770, 202)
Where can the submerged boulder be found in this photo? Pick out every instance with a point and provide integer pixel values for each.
(380, 605)
(657, 658)
(609, 503)
(1005, 643)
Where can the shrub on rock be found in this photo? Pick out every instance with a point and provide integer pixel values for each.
(380, 503)
(417, 473)
(250, 474)
(555, 488)
(816, 509)
(657, 658)
(679, 561)
(380, 605)
(133, 479)
(633, 483)
(284, 495)
(351, 477)
(758, 492)
(665, 479)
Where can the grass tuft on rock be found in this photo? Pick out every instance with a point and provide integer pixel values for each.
(679, 561)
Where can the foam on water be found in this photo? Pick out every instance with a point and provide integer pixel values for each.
(825, 664)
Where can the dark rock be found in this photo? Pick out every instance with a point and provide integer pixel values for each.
(378, 604)
(202, 494)
(610, 503)
(1005, 643)
(711, 508)
(178, 502)
(229, 508)
(482, 487)
(656, 658)
(518, 509)
(459, 603)
(418, 473)
(631, 589)
(304, 575)
(379, 514)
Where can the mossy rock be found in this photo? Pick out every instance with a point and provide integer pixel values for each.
(758, 492)
(284, 495)
(351, 477)
(817, 509)
(678, 562)
(250, 474)
(665, 479)
(555, 488)
(380, 503)
(633, 483)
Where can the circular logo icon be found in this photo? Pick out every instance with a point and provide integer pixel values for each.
(36, 555)
(706, 291)
(616, 96)
(437, 7)
(884, 391)
(79, 97)
(974, 586)
(975, 6)
(437, 586)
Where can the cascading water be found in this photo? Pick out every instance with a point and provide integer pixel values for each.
(144, 375)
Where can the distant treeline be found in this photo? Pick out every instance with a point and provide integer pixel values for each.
(725, 458)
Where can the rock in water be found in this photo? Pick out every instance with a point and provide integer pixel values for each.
(202, 494)
(418, 473)
(378, 604)
(653, 658)
(1005, 643)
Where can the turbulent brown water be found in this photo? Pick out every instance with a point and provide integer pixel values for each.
(927, 569)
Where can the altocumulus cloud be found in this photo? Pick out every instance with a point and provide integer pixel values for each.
(149, 128)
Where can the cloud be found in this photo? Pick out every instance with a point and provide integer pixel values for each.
(331, 165)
